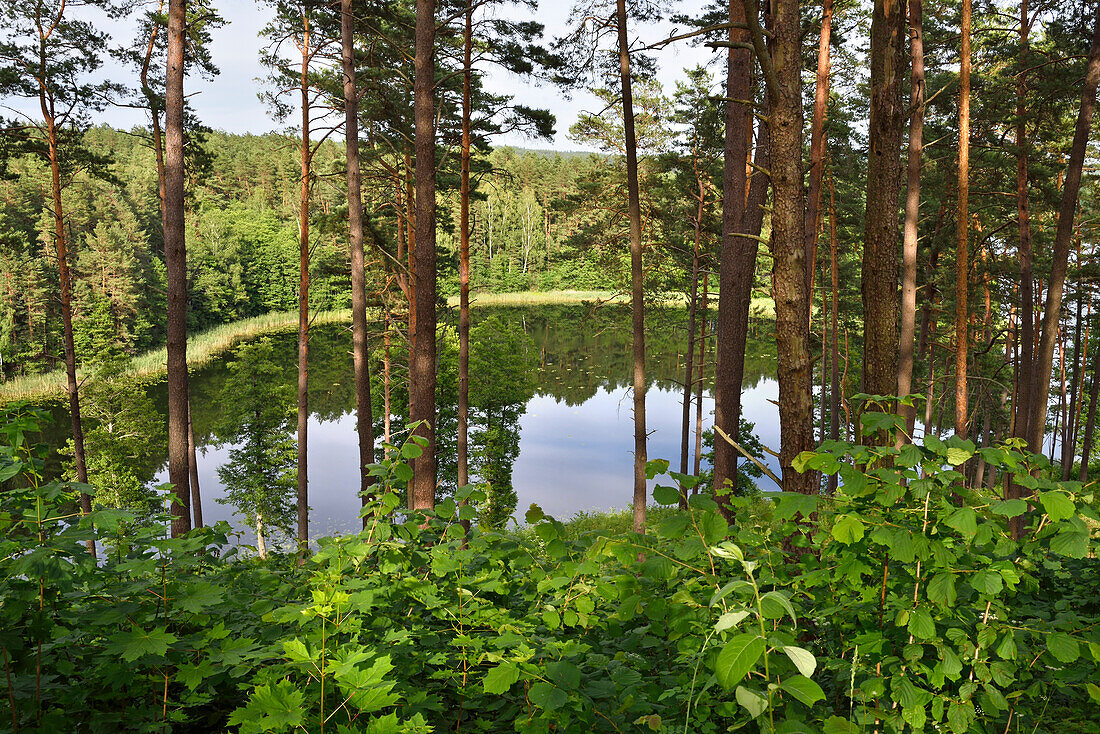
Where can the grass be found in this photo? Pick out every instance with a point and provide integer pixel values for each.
(201, 348)
(759, 308)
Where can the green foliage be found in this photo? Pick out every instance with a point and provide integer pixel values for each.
(924, 619)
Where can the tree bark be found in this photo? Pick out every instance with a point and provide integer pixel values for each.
(817, 141)
(175, 261)
(1060, 250)
(879, 283)
(788, 238)
(364, 422)
(693, 304)
(422, 376)
(737, 260)
(1069, 427)
(834, 362)
(1025, 365)
(1090, 420)
(303, 302)
(908, 317)
(962, 259)
(637, 303)
(464, 259)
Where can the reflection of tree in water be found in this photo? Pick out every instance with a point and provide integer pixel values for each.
(259, 477)
(502, 381)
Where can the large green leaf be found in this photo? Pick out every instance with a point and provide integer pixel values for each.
(848, 529)
(137, 642)
(804, 660)
(755, 703)
(1063, 647)
(803, 689)
(964, 519)
(499, 679)
(1057, 504)
(737, 658)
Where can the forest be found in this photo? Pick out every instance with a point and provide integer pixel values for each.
(762, 400)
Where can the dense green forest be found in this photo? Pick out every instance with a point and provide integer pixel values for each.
(885, 210)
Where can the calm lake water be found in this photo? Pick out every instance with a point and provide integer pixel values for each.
(570, 406)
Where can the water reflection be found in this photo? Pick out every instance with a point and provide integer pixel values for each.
(551, 408)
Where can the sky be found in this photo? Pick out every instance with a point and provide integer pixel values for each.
(230, 101)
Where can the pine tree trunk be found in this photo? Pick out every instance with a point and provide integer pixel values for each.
(693, 303)
(637, 303)
(1025, 365)
(817, 141)
(1090, 420)
(422, 377)
(303, 303)
(737, 259)
(464, 260)
(364, 421)
(788, 238)
(1069, 447)
(908, 316)
(879, 280)
(962, 264)
(65, 279)
(834, 362)
(1060, 250)
(175, 261)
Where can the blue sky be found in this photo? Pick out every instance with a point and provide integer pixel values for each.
(229, 102)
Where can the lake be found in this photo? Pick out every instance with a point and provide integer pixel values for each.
(553, 380)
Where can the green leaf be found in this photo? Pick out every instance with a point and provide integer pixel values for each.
(499, 679)
(752, 701)
(789, 505)
(546, 696)
(837, 725)
(848, 529)
(666, 495)
(959, 716)
(956, 456)
(1071, 543)
(564, 674)
(276, 707)
(921, 625)
(730, 620)
(137, 642)
(774, 603)
(941, 589)
(1063, 647)
(986, 582)
(1008, 508)
(199, 596)
(737, 658)
(804, 660)
(1094, 691)
(964, 519)
(1057, 504)
(655, 467)
(803, 689)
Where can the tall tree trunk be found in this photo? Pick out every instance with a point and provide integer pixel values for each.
(422, 369)
(364, 422)
(737, 258)
(464, 257)
(689, 367)
(962, 264)
(1090, 420)
(699, 379)
(1025, 365)
(834, 362)
(387, 406)
(65, 279)
(1060, 250)
(788, 238)
(637, 303)
(879, 282)
(910, 236)
(175, 261)
(303, 302)
(1069, 445)
(817, 142)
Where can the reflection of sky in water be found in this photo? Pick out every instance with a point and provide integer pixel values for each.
(571, 458)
